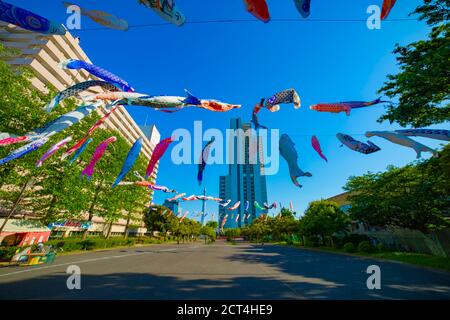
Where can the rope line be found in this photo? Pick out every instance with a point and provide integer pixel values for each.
(244, 21)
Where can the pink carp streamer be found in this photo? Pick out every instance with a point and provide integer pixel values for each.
(224, 221)
(53, 150)
(13, 140)
(184, 216)
(159, 151)
(235, 206)
(190, 198)
(92, 129)
(237, 218)
(96, 156)
(316, 145)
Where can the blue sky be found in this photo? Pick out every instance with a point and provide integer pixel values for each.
(242, 62)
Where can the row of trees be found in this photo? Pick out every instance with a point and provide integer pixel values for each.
(163, 221)
(57, 192)
(321, 222)
(414, 197)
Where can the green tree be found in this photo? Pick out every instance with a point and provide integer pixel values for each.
(414, 197)
(209, 233)
(258, 230)
(232, 233)
(58, 192)
(212, 224)
(323, 219)
(422, 86)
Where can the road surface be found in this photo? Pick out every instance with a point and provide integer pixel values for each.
(220, 271)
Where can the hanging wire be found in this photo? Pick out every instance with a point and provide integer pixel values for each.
(219, 21)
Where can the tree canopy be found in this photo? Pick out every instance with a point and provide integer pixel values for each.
(422, 87)
(414, 196)
(58, 192)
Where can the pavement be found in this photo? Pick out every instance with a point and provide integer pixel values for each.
(220, 271)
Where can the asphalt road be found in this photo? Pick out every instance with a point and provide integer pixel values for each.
(220, 271)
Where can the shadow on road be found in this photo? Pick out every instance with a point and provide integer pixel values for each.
(233, 273)
(316, 275)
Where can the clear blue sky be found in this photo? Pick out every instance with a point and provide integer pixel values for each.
(242, 62)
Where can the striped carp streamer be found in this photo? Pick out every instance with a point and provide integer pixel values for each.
(76, 89)
(403, 141)
(234, 206)
(98, 72)
(29, 20)
(285, 96)
(303, 7)
(157, 154)
(80, 151)
(103, 18)
(147, 184)
(58, 125)
(258, 206)
(184, 216)
(130, 160)
(386, 9)
(90, 131)
(224, 220)
(288, 152)
(24, 150)
(438, 134)
(191, 198)
(344, 106)
(53, 149)
(178, 196)
(358, 146)
(270, 207)
(259, 9)
(224, 204)
(203, 160)
(166, 9)
(316, 146)
(96, 156)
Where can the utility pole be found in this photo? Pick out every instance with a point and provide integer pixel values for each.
(203, 206)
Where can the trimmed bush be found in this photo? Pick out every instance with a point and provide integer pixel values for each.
(364, 246)
(353, 238)
(349, 247)
(381, 247)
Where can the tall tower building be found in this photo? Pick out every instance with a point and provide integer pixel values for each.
(245, 180)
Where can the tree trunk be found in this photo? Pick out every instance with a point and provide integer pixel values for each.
(127, 225)
(91, 208)
(14, 207)
(109, 230)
